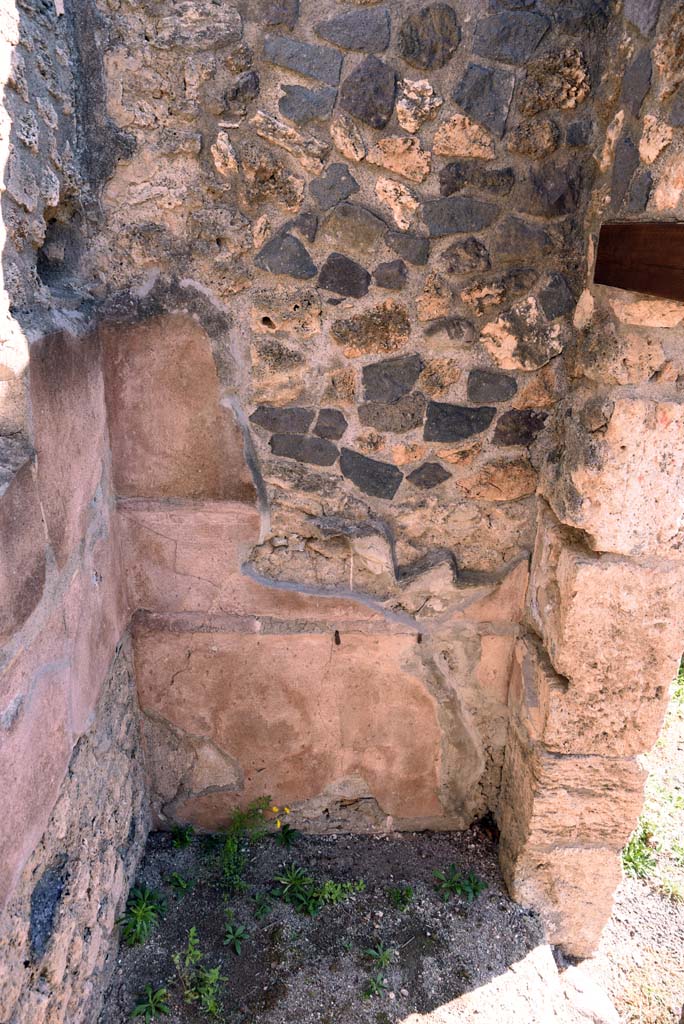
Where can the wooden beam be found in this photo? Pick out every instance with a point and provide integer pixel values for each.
(642, 257)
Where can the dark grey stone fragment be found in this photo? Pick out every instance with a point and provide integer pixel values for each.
(349, 225)
(511, 37)
(368, 92)
(511, 5)
(366, 30)
(447, 422)
(285, 254)
(460, 174)
(466, 257)
(490, 386)
(280, 12)
(414, 248)
(555, 189)
(302, 105)
(625, 164)
(343, 276)
(639, 192)
(457, 328)
(245, 87)
(677, 109)
(394, 417)
(456, 214)
(429, 475)
(485, 94)
(636, 82)
(643, 14)
(44, 902)
(334, 185)
(580, 133)
(331, 423)
(429, 38)
(392, 275)
(319, 62)
(587, 17)
(519, 427)
(278, 419)
(315, 450)
(390, 379)
(514, 236)
(556, 298)
(380, 479)
(306, 224)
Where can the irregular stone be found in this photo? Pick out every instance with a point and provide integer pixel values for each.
(456, 328)
(391, 379)
(555, 81)
(22, 570)
(522, 339)
(439, 374)
(350, 226)
(435, 300)
(382, 329)
(457, 214)
(368, 31)
(494, 292)
(283, 419)
(556, 298)
(626, 163)
(670, 185)
(507, 480)
(379, 479)
(485, 95)
(397, 417)
(514, 236)
(308, 150)
(459, 136)
(334, 185)
(535, 138)
(488, 386)
(295, 312)
(429, 475)
(285, 254)
(414, 248)
(245, 87)
(554, 189)
(460, 174)
(318, 62)
(447, 422)
(280, 12)
(306, 224)
(347, 138)
(331, 424)
(316, 451)
(677, 109)
(636, 82)
(519, 427)
(45, 900)
(264, 178)
(368, 92)
(404, 156)
(580, 133)
(302, 105)
(417, 103)
(429, 38)
(392, 275)
(643, 14)
(511, 37)
(224, 156)
(343, 276)
(639, 192)
(655, 137)
(466, 257)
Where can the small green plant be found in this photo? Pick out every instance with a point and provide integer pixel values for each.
(236, 934)
(263, 905)
(179, 883)
(672, 889)
(249, 821)
(182, 836)
(678, 694)
(400, 896)
(451, 882)
(153, 1003)
(375, 987)
(678, 854)
(293, 881)
(347, 945)
(286, 835)
(141, 916)
(380, 954)
(233, 863)
(638, 856)
(198, 983)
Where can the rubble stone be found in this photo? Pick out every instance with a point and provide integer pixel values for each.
(429, 38)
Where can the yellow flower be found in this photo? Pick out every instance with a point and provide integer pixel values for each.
(287, 810)
(275, 809)
(278, 823)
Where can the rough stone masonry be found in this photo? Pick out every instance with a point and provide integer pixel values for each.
(303, 380)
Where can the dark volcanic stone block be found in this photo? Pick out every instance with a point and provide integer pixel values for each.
(368, 92)
(639, 192)
(44, 902)
(280, 12)
(343, 276)
(555, 189)
(489, 386)
(429, 475)
(624, 166)
(580, 133)
(677, 109)
(637, 82)
(414, 248)
(334, 185)
(306, 224)
(380, 479)
(556, 298)
(519, 427)
(394, 417)
(643, 14)
(485, 94)
(285, 254)
(354, 226)
(331, 424)
(447, 422)
(511, 37)
(302, 105)
(390, 379)
(392, 275)
(245, 87)
(283, 419)
(455, 327)
(429, 38)
(465, 257)
(514, 236)
(460, 174)
(367, 30)
(456, 214)
(320, 62)
(315, 450)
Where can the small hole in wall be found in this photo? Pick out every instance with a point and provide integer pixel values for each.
(337, 638)
(267, 322)
(419, 638)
